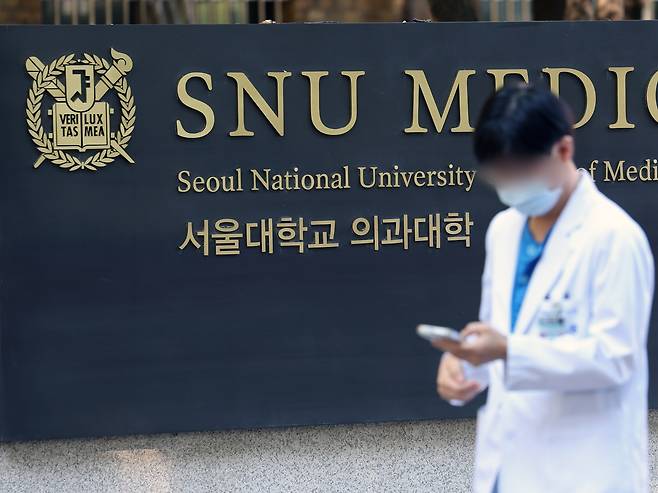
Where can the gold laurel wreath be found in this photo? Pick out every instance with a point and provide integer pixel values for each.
(44, 79)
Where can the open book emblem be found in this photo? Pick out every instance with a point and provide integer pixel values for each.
(81, 119)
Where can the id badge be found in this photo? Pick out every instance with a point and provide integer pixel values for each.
(552, 320)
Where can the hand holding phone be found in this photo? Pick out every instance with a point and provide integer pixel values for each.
(435, 332)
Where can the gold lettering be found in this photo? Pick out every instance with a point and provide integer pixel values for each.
(244, 85)
(499, 75)
(183, 178)
(420, 85)
(590, 92)
(651, 96)
(314, 83)
(617, 174)
(622, 121)
(195, 104)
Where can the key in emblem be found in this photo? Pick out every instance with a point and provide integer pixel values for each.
(80, 87)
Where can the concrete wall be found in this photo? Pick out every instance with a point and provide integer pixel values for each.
(426, 456)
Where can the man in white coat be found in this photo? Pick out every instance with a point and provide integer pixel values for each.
(567, 289)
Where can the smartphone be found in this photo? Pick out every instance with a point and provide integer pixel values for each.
(434, 332)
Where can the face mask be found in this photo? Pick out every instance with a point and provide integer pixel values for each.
(532, 197)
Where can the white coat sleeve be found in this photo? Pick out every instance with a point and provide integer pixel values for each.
(605, 355)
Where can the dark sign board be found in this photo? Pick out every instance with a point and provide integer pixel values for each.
(240, 226)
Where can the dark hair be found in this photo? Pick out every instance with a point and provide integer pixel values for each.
(521, 121)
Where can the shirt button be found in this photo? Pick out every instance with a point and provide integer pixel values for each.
(531, 250)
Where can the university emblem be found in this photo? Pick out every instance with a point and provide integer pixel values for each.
(82, 133)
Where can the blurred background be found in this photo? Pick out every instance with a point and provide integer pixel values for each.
(253, 11)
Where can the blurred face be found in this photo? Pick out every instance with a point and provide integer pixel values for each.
(549, 169)
(533, 185)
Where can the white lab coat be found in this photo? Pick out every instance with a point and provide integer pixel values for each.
(568, 413)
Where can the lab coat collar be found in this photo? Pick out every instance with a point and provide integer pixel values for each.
(558, 248)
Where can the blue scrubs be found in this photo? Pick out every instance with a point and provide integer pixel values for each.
(530, 252)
